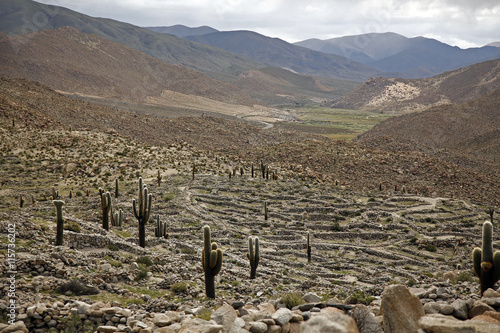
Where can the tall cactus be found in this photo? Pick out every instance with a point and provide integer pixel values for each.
(253, 255)
(266, 212)
(211, 259)
(486, 263)
(105, 207)
(116, 188)
(308, 248)
(142, 212)
(60, 221)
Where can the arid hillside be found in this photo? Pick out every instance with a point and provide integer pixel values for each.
(394, 95)
(293, 154)
(70, 61)
(466, 133)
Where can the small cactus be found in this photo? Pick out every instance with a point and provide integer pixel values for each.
(308, 248)
(105, 207)
(194, 171)
(486, 263)
(253, 255)
(117, 218)
(211, 258)
(142, 209)
(21, 201)
(491, 212)
(55, 193)
(266, 215)
(158, 178)
(116, 188)
(253, 172)
(60, 221)
(160, 228)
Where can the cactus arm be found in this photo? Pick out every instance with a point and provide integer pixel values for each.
(213, 258)
(218, 265)
(135, 209)
(251, 253)
(496, 266)
(476, 261)
(257, 252)
(487, 242)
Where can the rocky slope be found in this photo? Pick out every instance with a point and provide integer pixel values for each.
(367, 235)
(74, 62)
(466, 134)
(399, 96)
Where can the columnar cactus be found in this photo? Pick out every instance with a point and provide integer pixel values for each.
(160, 228)
(21, 201)
(158, 178)
(486, 263)
(211, 258)
(308, 248)
(491, 212)
(194, 170)
(117, 218)
(141, 213)
(253, 255)
(55, 193)
(60, 221)
(105, 207)
(265, 211)
(116, 188)
(253, 171)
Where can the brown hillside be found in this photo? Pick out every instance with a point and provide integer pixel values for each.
(468, 132)
(70, 61)
(396, 95)
(292, 154)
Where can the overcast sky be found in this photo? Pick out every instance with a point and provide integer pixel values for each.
(464, 23)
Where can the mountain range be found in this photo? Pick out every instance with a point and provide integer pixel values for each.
(277, 52)
(24, 16)
(404, 57)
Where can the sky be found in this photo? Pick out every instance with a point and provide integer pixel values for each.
(463, 23)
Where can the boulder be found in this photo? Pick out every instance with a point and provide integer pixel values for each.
(197, 325)
(460, 309)
(479, 308)
(401, 310)
(365, 319)
(438, 323)
(335, 323)
(225, 316)
(257, 327)
(312, 298)
(282, 316)
(17, 327)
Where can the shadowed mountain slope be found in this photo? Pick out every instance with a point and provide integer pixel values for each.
(277, 52)
(68, 60)
(25, 16)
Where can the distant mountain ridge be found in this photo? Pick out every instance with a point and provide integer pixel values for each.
(277, 52)
(17, 17)
(395, 95)
(180, 30)
(68, 60)
(399, 56)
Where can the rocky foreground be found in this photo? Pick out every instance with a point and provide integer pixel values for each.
(399, 309)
